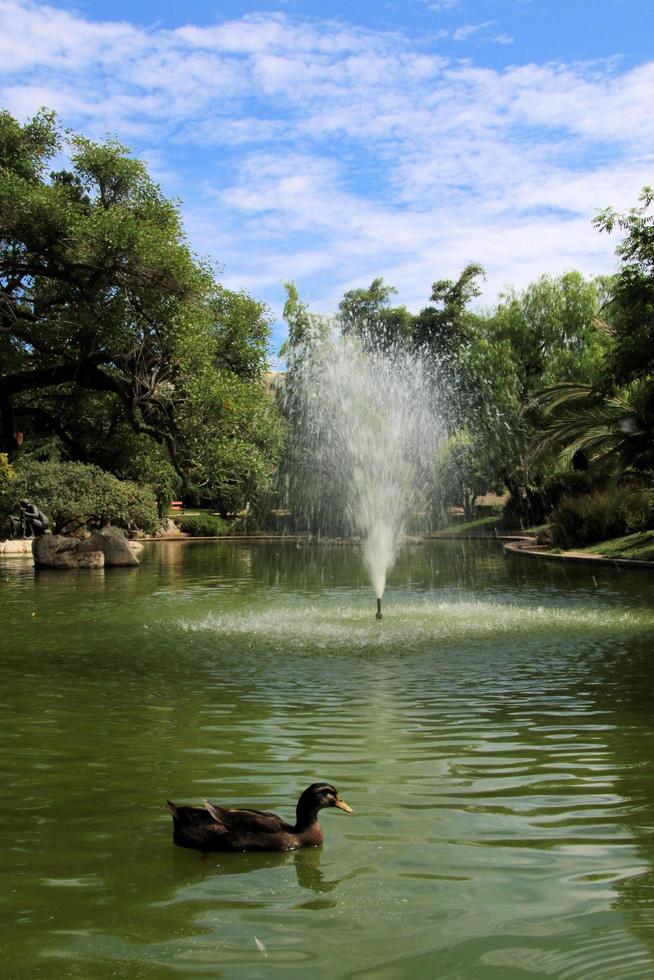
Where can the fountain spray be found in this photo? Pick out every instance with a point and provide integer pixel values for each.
(365, 428)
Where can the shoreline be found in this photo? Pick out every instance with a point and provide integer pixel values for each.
(515, 545)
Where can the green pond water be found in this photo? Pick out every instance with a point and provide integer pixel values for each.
(494, 736)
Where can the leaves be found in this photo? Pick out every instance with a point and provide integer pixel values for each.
(76, 495)
(104, 307)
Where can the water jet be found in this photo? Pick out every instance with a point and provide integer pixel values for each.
(365, 427)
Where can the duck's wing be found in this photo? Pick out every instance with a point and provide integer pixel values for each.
(246, 840)
(246, 821)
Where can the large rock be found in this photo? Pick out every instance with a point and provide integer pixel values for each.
(114, 545)
(58, 551)
(106, 547)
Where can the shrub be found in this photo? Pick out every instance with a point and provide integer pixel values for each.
(7, 472)
(603, 515)
(202, 525)
(76, 495)
(532, 505)
(571, 483)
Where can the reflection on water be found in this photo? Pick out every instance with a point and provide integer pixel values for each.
(493, 734)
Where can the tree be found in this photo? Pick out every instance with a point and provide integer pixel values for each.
(631, 306)
(103, 304)
(443, 329)
(555, 330)
(368, 314)
(299, 319)
(613, 431)
(608, 418)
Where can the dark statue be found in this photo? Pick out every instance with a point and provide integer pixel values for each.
(31, 523)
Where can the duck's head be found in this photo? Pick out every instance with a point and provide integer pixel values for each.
(320, 795)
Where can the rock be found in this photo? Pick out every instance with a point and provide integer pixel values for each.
(58, 551)
(16, 546)
(106, 547)
(114, 545)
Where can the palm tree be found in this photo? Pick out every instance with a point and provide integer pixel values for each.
(613, 430)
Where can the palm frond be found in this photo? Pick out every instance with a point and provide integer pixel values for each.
(579, 419)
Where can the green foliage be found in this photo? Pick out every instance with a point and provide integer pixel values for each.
(202, 525)
(603, 515)
(531, 504)
(443, 329)
(298, 318)
(110, 328)
(7, 472)
(631, 308)
(605, 417)
(457, 478)
(554, 329)
(613, 431)
(25, 150)
(571, 483)
(368, 314)
(76, 495)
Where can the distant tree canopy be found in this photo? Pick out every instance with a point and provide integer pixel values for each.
(117, 345)
(491, 363)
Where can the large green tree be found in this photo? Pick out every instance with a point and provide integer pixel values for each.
(104, 307)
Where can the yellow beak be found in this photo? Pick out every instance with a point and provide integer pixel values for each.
(342, 805)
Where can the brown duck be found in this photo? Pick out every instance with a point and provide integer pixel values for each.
(216, 828)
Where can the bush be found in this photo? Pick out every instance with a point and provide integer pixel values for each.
(202, 525)
(7, 472)
(571, 483)
(600, 516)
(76, 495)
(532, 505)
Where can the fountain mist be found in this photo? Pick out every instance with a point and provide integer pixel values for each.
(365, 428)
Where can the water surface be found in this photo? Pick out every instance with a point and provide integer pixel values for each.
(493, 735)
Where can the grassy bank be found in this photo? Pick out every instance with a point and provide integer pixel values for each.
(639, 546)
(479, 525)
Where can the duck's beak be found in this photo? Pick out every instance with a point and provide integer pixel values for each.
(342, 805)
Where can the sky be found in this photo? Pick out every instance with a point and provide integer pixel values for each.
(332, 143)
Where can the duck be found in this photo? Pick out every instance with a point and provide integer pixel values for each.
(216, 828)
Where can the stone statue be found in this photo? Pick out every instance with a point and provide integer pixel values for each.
(31, 523)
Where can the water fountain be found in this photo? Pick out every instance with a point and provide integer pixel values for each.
(366, 424)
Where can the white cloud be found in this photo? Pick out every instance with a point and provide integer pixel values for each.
(468, 30)
(442, 6)
(484, 33)
(333, 154)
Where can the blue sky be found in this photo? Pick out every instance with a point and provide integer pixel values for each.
(332, 143)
